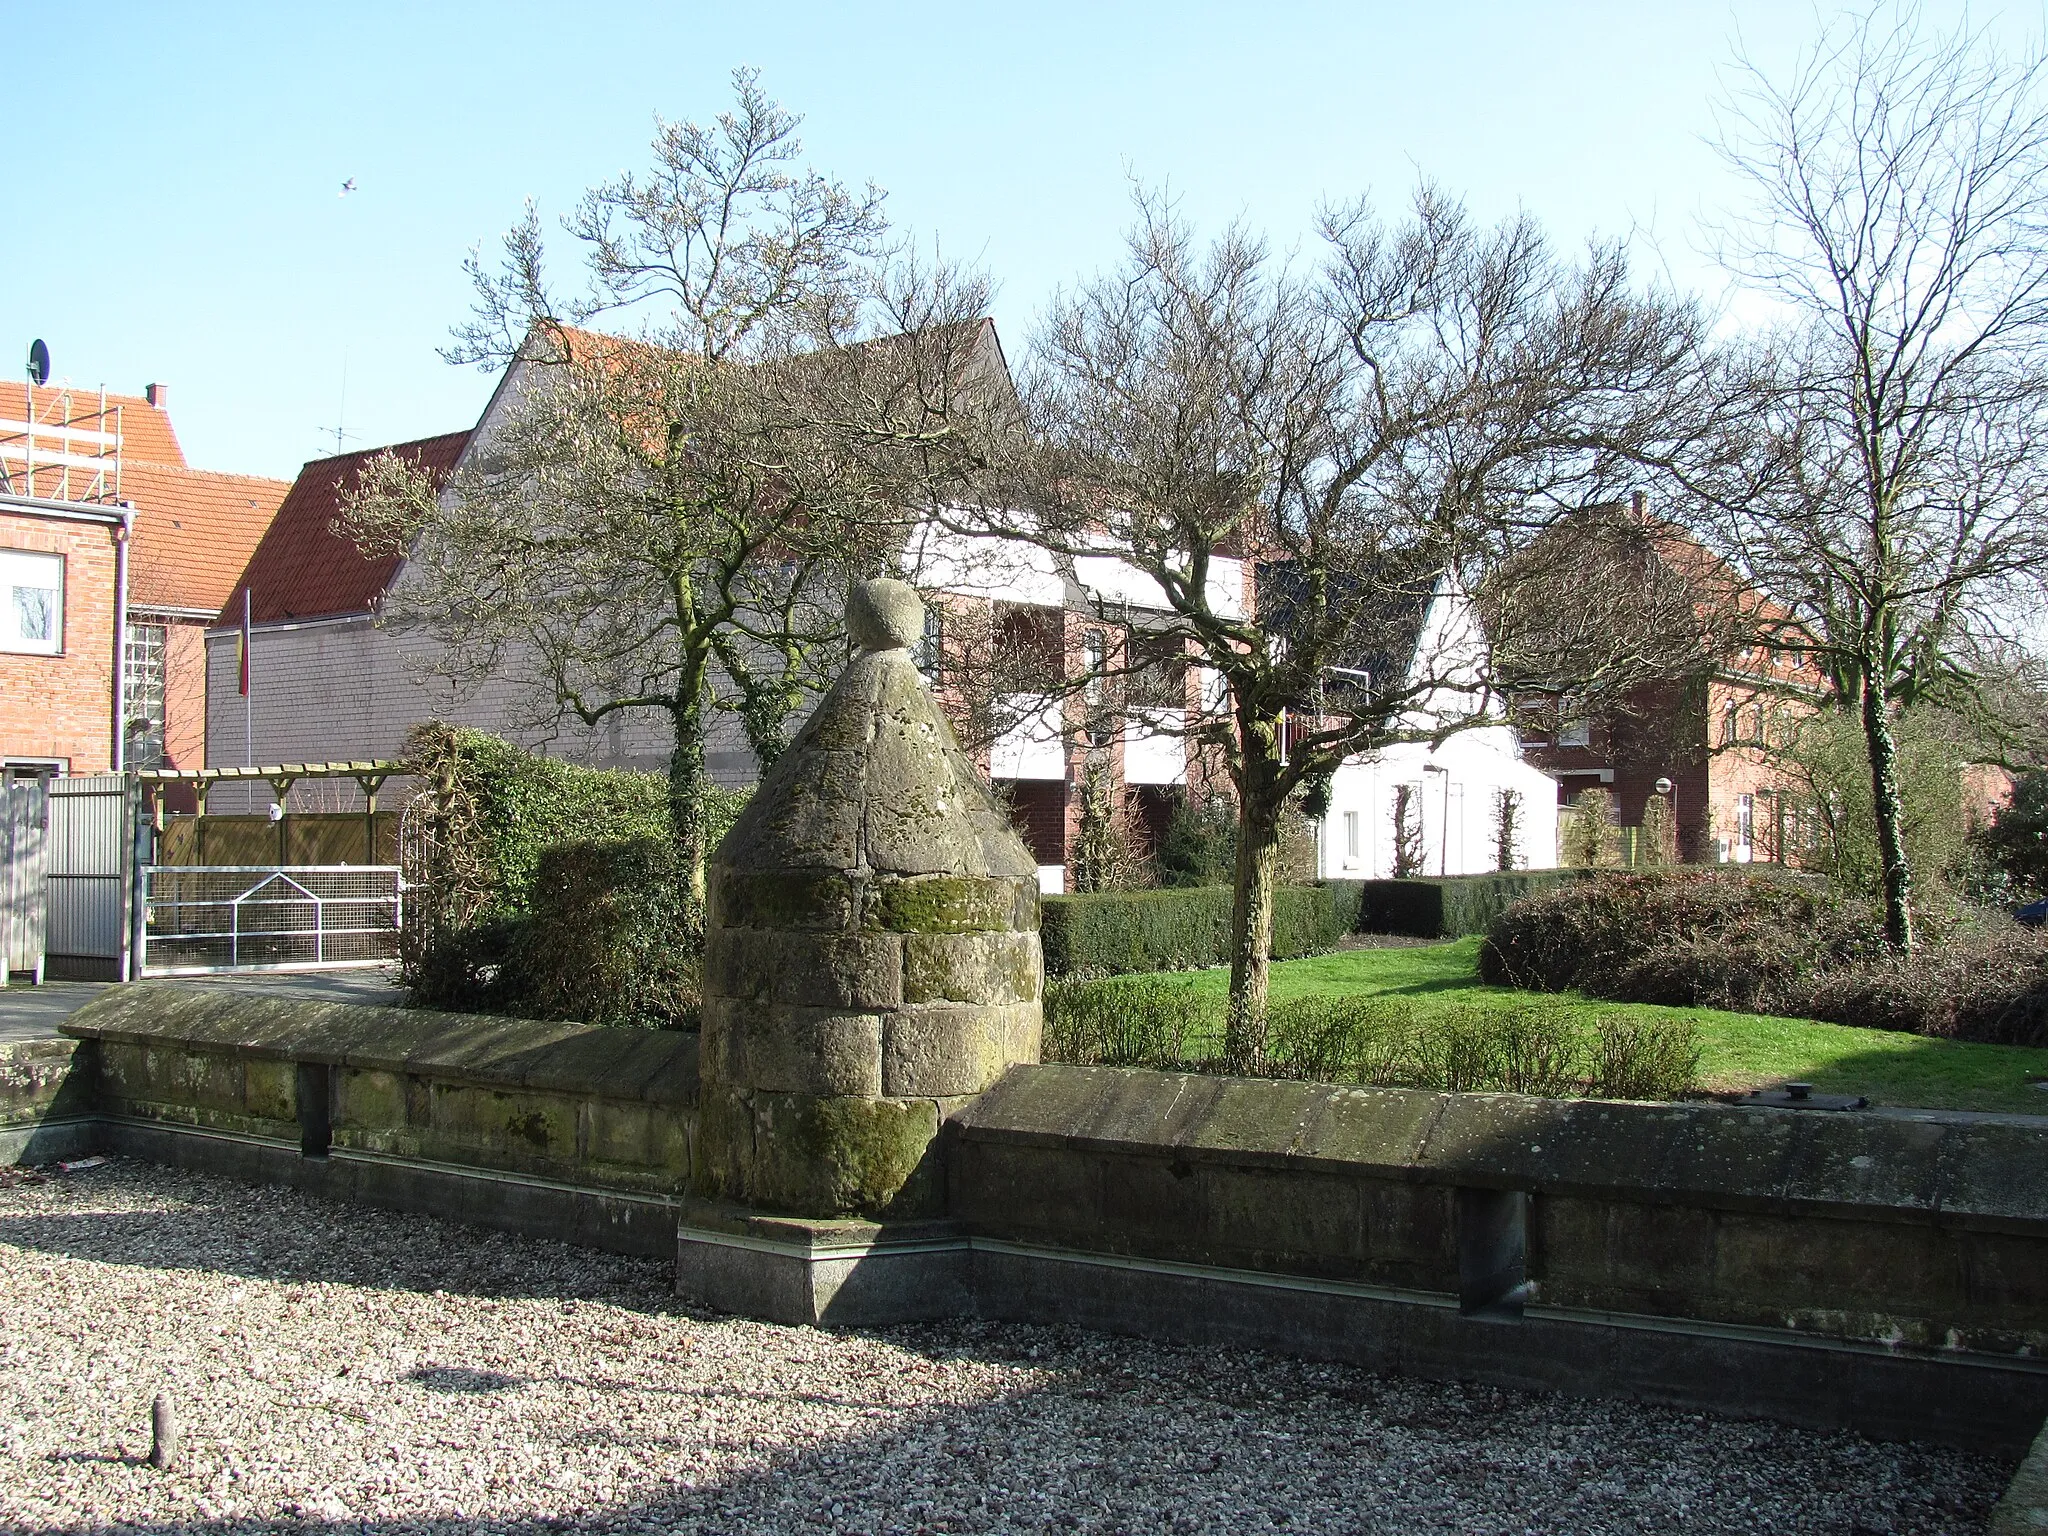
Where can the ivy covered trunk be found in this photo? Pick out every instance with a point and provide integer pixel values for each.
(1251, 913)
(1889, 813)
(686, 789)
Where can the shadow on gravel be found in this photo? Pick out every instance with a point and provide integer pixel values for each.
(1104, 1435)
(1105, 1448)
(267, 1232)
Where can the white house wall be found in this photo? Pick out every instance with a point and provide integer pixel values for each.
(1456, 807)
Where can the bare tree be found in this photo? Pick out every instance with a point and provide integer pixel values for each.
(1881, 468)
(665, 522)
(1357, 436)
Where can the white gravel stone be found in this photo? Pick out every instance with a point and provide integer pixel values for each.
(332, 1366)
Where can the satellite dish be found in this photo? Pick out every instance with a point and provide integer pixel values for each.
(38, 362)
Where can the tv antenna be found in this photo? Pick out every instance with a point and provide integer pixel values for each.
(38, 362)
(339, 431)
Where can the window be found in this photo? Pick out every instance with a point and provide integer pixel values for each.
(31, 602)
(931, 650)
(142, 695)
(1573, 729)
(1730, 728)
(1093, 653)
(1350, 837)
(1745, 821)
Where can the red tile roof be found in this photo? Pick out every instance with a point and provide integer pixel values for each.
(194, 532)
(303, 569)
(145, 433)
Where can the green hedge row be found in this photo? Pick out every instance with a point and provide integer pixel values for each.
(1452, 907)
(510, 806)
(1115, 932)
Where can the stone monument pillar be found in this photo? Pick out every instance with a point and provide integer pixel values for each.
(871, 954)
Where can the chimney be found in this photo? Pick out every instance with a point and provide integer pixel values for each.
(158, 395)
(1638, 501)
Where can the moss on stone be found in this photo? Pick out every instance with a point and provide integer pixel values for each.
(797, 898)
(943, 904)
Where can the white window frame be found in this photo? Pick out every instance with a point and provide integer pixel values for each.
(17, 566)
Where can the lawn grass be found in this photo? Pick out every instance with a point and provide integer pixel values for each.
(1740, 1051)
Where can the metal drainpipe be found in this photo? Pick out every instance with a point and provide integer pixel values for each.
(120, 755)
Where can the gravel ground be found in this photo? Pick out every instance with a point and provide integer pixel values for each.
(354, 1369)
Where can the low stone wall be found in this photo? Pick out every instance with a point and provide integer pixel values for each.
(1874, 1272)
(561, 1129)
(2024, 1509)
(48, 1109)
(1901, 1233)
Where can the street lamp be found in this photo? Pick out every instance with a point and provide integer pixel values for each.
(1669, 790)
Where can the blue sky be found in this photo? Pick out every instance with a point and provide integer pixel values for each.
(171, 182)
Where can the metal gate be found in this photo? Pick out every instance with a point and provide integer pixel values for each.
(87, 876)
(203, 918)
(24, 860)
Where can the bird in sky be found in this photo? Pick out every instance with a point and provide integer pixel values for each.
(347, 187)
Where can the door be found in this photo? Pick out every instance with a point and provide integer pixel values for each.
(87, 878)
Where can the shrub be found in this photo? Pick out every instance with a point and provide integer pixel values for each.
(605, 940)
(2016, 841)
(1644, 1058)
(1588, 832)
(1767, 942)
(1753, 939)
(1113, 932)
(1507, 823)
(1199, 846)
(1988, 986)
(500, 814)
(1441, 908)
(1342, 1039)
(1123, 1021)
(1538, 1048)
(1107, 855)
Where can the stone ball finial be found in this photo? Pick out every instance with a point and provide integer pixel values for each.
(885, 614)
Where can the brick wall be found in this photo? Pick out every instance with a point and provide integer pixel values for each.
(62, 706)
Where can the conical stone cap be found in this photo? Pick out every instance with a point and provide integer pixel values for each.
(875, 782)
(871, 946)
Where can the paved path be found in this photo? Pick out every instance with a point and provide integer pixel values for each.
(33, 1013)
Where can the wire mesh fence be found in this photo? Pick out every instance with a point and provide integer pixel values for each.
(252, 917)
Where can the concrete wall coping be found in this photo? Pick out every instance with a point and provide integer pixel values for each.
(1983, 1175)
(659, 1066)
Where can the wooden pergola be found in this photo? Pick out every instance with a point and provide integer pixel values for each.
(369, 776)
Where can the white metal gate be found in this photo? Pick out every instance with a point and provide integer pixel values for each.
(199, 918)
(87, 876)
(24, 861)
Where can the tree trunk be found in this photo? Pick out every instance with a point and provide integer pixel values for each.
(1251, 929)
(1890, 815)
(686, 800)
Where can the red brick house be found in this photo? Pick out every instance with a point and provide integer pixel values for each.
(114, 556)
(1706, 729)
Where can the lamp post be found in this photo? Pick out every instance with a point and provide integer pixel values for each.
(1443, 862)
(1669, 791)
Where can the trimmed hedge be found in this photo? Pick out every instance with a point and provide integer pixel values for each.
(1115, 932)
(1452, 907)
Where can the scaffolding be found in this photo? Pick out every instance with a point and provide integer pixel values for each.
(67, 449)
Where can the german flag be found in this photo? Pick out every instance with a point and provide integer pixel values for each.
(242, 646)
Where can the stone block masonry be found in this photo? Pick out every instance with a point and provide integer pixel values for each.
(562, 1130)
(871, 953)
(1831, 1270)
